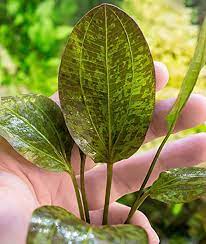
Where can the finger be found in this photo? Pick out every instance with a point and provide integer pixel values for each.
(193, 114)
(76, 161)
(55, 98)
(161, 74)
(118, 214)
(129, 174)
(17, 204)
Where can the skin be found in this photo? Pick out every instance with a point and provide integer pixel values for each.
(24, 187)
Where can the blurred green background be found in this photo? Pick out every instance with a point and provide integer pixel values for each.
(32, 38)
(33, 34)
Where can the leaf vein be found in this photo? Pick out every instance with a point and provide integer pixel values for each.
(32, 146)
(80, 78)
(35, 129)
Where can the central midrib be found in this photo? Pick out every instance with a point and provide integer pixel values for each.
(108, 87)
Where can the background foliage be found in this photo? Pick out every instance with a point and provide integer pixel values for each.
(199, 10)
(32, 37)
(33, 34)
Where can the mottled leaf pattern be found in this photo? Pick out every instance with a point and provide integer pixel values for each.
(54, 225)
(34, 125)
(179, 185)
(107, 84)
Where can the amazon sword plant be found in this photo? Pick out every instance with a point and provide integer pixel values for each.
(107, 96)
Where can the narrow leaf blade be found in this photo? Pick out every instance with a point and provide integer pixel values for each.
(179, 185)
(35, 128)
(190, 80)
(107, 84)
(52, 224)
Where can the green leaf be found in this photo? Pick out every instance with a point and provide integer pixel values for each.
(190, 80)
(179, 185)
(51, 224)
(107, 84)
(34, 125)
(198, 61)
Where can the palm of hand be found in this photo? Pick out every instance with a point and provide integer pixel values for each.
(24, 187)
(27, 187)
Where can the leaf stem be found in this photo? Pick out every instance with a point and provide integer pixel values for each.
(78, 197)
(139, 195)
(107, 194)
(136, 205)
(82, 186)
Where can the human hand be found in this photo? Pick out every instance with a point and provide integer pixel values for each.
(24, 187)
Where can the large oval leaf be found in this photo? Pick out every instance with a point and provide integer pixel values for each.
(179, 185)
(107, 84)
(34, 125)
(54, 225)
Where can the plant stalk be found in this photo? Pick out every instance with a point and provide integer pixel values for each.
(82, 186)
(136, 203)
(108, 192)
(78, 197)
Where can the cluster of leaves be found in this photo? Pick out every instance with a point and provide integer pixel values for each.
(107, 95)
(92, 67)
